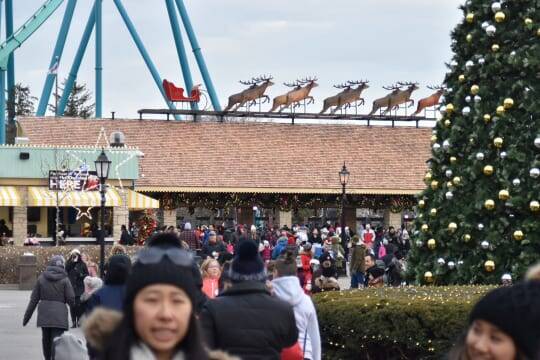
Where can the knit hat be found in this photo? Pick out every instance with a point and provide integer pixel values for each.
(516, 311)
(162, 272)
(57, 260)
(117, 270)
(247, 263)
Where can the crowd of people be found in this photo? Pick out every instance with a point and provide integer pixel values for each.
(243, 293)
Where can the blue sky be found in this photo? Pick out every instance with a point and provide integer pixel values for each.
(380, 40)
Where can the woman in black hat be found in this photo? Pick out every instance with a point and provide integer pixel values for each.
(503, 325)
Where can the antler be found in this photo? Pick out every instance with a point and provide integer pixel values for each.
(393, 86)
(253, 81)
(293, 84)
(355, 82)
(408, 83)
(436, 87)
(342, 86)
(263, 78)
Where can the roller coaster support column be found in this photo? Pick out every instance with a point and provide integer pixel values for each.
(57, 56)
(180, 49)
(144, 53)
(2, 96)
(198, 54)
(99, 59)
(68, 87)
(11, 63)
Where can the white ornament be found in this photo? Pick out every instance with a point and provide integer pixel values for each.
(503, 154)
(506, 277)
(484, 244)
(449, 195)
(477, 99)
(537, 142)
(466, 110)
(513, 53)
(516, 182)
(453, 63)
(468, 98)
(480, 226)
(434, 132)
(446, 144)
(441, 261)
(419, 243)
(449, 173)
(479, 156)
(436, 147)
(451, 265)
(485, 24)
(491, 30)
(496, 6)
(469, 64)
(534, 173)
(481, 61)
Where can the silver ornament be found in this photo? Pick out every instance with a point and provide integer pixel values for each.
(480, 226)
(466, 110)
(448, 173)
(512, 54)
(436, 147)
(434, 132)
(537, 142)
(516, 182)
(451, 265)
(453, 63)
(468, 98)
(460, 262)
(481, 61)
(491, 30)
(503, 155)
(496, 6)
(469, 64)
(534, 173)
(441, 261)
(506, 277)
(477, 99)
(479, 156)
(442, 109)
(449, 195)
(446, 144)
(484, 244)
(485, 24)
(419, 243)
(449, 90)
(512, 216)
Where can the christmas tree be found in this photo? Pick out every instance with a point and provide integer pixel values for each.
(146, 224)
(479, 217)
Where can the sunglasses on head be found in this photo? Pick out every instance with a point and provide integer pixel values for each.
(154, 255)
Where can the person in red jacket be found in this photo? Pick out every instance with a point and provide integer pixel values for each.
(304, 273)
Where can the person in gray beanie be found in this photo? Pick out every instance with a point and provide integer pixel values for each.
(245, 320)
(52, 292)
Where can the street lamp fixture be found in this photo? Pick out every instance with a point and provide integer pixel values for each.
(103, 165)
(343, 179)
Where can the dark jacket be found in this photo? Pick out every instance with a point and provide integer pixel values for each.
(358, 253)
(77, 271)
(208, 249)
(126, 239)
(52, 292)
(246, 321)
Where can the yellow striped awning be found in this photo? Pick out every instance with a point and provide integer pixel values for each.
(9, 196)
(137, 201)
(42, 196)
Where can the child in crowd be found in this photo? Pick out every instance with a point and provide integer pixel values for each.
(266, 252)
(211, 272)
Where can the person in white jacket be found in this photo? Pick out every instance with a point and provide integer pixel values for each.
(286, 286)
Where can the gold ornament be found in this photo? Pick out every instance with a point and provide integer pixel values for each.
(453, 159)
(489, 204)
(447, 123)
(450, 108)
(452, 227)
(467, 237)
(538, 32)
(508, 103)
(433, 212)
(468, 38)
(487, 118)
(449, 185)
(534, 206)
(498, 142)
(475, 89)
(433, 139)
(461, 78)
(504, 195)
(528, 21)
(456, 180)
(428, 277)
(489, 265)
(434, 184)
(488, 170)
(431, 244)
(428, 176)
(500, 110)
(469, 18)
(518, 235)
(425, 228)
(499, 16)
(421, 203)
(495, 47)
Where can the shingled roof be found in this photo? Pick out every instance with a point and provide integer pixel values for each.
(257, 157)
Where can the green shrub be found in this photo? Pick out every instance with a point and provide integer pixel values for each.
(9, 257)
(394, 323)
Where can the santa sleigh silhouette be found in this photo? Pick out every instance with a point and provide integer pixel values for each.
(176, 94)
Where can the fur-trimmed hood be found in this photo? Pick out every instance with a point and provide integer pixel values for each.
(99, 326)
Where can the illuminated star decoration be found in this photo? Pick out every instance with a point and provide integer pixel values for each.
(81, 214)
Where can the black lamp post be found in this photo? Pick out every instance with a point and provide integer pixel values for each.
(343, 178)
(102, 168)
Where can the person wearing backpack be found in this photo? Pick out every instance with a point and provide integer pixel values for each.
(286, 287)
